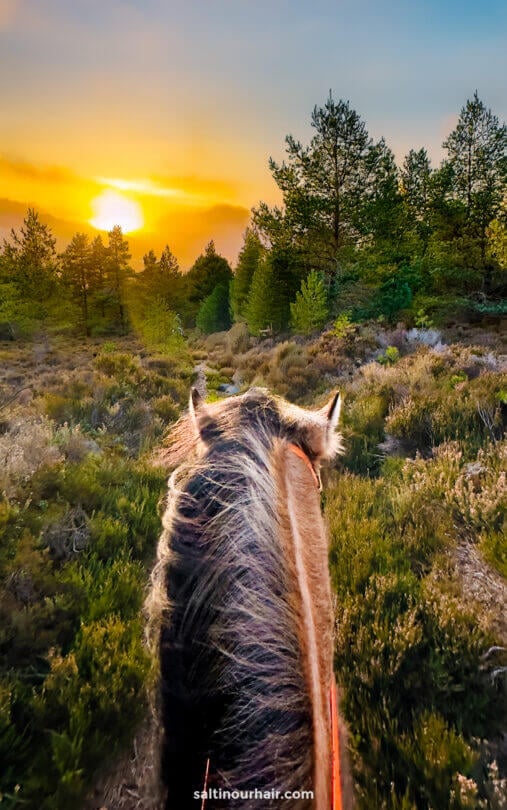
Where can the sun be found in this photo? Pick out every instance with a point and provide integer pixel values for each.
(111, 208)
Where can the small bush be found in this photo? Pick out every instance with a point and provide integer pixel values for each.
(166, 408)
(343, 326)
(390, 356)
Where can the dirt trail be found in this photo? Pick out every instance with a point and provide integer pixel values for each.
(483, 584)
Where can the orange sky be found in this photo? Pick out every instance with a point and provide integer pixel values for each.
(184, 212)
(178, 105)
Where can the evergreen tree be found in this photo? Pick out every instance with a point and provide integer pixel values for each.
(310, 309)
(477, 159)
(149, 262)
(497, 243)
(79, 273)
(208, 271)
(31, 256)
(326, 186)
(118, 270)
(169, 263)
(159, 326)
(415, 184)
(266, 307)
(248, 262)
(99, 258)
(214, 312)
(379, 217)
(162, 279)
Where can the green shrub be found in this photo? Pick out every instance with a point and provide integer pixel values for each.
(363, 427)
(343, 325)
(408, 652)
(166, 408)
(493, 547)
(122, 366)
(213, 314)
(90, 703)
(390, 356)
(109, 536)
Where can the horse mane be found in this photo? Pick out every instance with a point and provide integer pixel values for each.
(222, 616)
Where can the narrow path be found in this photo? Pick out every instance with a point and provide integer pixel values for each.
(483, 584)
(200, 380)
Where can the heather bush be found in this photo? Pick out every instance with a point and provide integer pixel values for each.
(166, 408)
(238, 339)
(122, 366)
(79, 523)
(94, 689)
(25, 447)
(408, 651)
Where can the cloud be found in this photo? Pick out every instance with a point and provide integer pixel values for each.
(40, 174)
(189, 189)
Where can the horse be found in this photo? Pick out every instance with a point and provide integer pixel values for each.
(240, 611)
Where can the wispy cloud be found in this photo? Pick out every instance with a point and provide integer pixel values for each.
(29, 171)
(192, 190)
(139, 187)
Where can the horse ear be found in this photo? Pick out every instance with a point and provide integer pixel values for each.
(196, 408)
(332, 410)
(331, 413)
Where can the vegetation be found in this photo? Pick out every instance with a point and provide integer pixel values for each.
(78, 525)
(310, 309)
(421, 479)
(408, 269)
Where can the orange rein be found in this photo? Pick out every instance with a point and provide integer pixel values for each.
(302, 455)
(336, 781)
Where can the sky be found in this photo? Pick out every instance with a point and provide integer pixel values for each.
(163, 113)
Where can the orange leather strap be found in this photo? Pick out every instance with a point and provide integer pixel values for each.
(336, 781)
(302, 455)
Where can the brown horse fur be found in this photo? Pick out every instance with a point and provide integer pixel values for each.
(239, 611)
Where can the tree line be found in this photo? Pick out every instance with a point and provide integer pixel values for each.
(355, 237)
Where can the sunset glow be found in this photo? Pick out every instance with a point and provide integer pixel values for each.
(111, 208)
(166, 114)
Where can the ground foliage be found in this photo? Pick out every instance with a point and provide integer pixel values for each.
(78, 524)
(424, 470)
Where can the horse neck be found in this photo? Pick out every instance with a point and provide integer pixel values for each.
(306, 547)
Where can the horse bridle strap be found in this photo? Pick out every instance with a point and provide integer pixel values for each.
(296, 449)
(336, 780)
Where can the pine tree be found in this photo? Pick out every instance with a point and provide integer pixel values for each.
(149, 262)
(379, 216)
(214, 312)
(248, 262)
(99, 258)
(118, 270)
(326, 186)
(415, 183)
(477, 160)
(162, 279)
(209, 270)
(310, 309)
(266, 305)
(31, 254)
(79, 272)
(477, 154)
